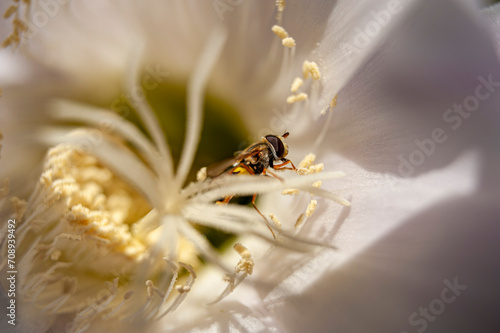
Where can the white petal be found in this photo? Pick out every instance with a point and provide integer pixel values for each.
(397, 114)
(379, 290)
(353, 31)
(405, 236)
(424, 222)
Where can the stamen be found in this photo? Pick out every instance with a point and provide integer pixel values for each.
(290, 191)
(307, 161)
(11, 10)
(311, 208)
(310, 68)
(243, 268)
(300, 221)
(275, 220)
(203, 246)
(326, 194)
(317, 184)
(229, 279)
(316, 168)
(288, 42)
(70, 111)
(126, 297)
(183, 290)
(148, 117)
(19, 27)
(280, 6)
(333, 103)
(296, 98)
(196, 88)
(115, 156)
(246, 264)
(279, 31)
(248, 185)
(201, 175)
(296, 84)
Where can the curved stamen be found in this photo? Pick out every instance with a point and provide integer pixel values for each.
(196, 89)
(148, 117)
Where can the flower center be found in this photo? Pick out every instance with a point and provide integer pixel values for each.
(223, 129)
(223, 132)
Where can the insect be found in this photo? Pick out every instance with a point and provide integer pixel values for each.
(257, 159)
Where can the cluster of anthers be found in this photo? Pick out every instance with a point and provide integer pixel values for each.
(18, 11)
(109, 230)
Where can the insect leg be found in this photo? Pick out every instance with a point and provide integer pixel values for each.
(268, 172)
(258, 211)
(282, 166)
(224, 201)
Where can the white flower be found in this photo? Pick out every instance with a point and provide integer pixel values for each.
(417, 173)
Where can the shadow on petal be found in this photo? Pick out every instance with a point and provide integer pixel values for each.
(398, 284)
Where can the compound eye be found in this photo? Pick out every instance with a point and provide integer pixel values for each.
(277, 145)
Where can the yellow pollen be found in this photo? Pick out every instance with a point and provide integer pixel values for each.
(317, 184)
(302, 171)
(333, 103)
(290, 191)
(311, 170)
(275, 220)
(311, 208)
(11, 10)
(296, 84)
(201, 175)
(242, 251)
(317, 168)
(299, 221)
(246, 262)
(310, 68)
(280, 4)
(288, 42)
(18, 27)
(76, 235)
(307, 161)
(279, 31)
(296, 98)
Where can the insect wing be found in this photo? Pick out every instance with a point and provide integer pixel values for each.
(220, 168)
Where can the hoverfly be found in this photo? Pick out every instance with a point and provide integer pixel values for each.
(257, 159)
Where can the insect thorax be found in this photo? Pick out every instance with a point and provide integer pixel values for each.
(260, 162)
